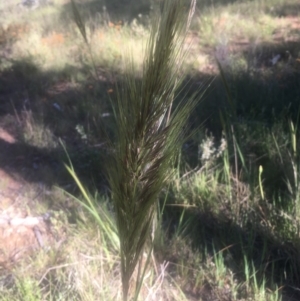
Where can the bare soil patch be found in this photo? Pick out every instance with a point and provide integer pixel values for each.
(21, 231)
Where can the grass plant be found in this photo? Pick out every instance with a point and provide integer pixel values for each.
(148, 134)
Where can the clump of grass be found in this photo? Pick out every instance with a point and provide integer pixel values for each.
(35, 133)
(218, 23)
(148, 134)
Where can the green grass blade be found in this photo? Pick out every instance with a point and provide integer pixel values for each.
(79, 22)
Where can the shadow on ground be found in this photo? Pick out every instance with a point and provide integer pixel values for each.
(273, 259)
(105, 11)
(72, 109)
(38, 109)
(128, 10)
(290, 10)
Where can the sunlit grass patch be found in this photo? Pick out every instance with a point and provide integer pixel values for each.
(57, 49)
(54, 42)
(111, 46)
(36, 134)
(48, 51)
(224, 27)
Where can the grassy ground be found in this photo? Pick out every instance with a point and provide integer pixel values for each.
(230, 224)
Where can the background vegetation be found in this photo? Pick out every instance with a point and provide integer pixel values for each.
(229, 215)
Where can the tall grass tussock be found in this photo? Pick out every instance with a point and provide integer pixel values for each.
(149, 131)
(148, 136)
